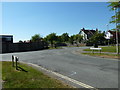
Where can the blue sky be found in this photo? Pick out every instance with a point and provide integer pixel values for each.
(24, 19)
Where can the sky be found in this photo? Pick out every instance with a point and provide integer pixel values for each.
(25, 19)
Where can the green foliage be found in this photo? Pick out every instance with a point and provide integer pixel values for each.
(115, 6)
(65, 37)
(75, 39)
(59, 39)
(78, 38)
(36, 38)
(20, 41)
(51, 38)
(98, 38)
(71, 39)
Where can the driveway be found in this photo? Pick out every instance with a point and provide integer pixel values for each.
(94, 71)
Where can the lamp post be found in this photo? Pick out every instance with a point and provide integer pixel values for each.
(108, 30)
(107, 26)
(117, 43)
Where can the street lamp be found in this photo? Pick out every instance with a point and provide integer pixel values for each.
(107, 26)
(117, 43)
(108, 30)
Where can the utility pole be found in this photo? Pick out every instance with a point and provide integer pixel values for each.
(117, 29)
(108, 30)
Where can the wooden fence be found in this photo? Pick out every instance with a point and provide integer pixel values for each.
(21, 47)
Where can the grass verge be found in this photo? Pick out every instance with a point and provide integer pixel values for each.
(103, 55)
(27, 77)
(105, 49)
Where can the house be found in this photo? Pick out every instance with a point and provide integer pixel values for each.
(110, 34)
(87, 33)
(6, 38)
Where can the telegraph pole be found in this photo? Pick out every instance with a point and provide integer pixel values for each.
(117, 29)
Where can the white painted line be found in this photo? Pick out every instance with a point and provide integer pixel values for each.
(73, 73)
(65, 77)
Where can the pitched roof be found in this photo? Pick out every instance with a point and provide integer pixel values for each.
(114, 33)
(88, 31)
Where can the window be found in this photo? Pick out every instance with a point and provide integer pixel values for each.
(8, 39)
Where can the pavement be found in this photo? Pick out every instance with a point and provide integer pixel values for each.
(93, 71)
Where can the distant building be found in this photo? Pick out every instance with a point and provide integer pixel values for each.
(110, 34)
(87, 33)
(6, 38)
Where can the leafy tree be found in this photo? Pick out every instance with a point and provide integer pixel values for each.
(98, 38)
(36, 38)
(115, 18)
(51, 38)
(59, 39)
(71, 39)
(20, 41)
(65, 37)
(78, 38)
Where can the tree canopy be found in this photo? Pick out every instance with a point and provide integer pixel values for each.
(115, 6)
(36, 38)
(52, 38)
(65, 37)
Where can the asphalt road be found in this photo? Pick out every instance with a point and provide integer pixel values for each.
(94, 71)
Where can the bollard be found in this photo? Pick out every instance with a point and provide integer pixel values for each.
(16, 63)
(12, 61)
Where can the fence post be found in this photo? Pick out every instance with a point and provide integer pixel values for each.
(16, 63)
(12, 60)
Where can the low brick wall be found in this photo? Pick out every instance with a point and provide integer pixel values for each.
(21, 47)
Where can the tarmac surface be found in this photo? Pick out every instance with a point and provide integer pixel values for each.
(94, 71)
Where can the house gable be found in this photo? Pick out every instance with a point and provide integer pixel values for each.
(87, 33)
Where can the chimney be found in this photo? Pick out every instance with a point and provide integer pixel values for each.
(96, 30)
(83, 28)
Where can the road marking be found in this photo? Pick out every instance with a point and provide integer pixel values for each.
(64, 77)
(73, 73)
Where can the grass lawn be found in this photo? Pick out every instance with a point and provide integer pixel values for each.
(31, 78)
(103, 55)
(105, 49)
(108, 49)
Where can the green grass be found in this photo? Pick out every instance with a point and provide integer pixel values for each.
(103, 55)
(105, 49)
(13, 78)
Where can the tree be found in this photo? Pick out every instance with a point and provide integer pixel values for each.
(71, 39)
(78, 38)
(51, 38)
(36, 38)
(65, 37)
(115, 18)
(59, 39)
(98, 38)
(20, 41)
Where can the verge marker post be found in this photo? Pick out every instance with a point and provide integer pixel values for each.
(16, 63)
(12, 61)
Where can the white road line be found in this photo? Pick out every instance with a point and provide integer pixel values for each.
(73, 73)
(65, 77)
